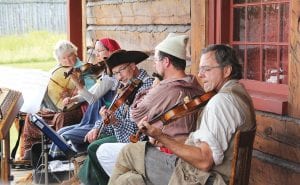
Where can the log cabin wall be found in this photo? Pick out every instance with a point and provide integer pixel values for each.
(140, 25)
(276, 155)
(136, 25)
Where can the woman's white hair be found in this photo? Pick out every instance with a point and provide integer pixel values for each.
(62, 47)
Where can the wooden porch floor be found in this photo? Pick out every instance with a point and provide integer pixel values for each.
(32, 83)
(20, 176)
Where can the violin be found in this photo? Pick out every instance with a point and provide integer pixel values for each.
(122, 97)
(177, 111)
(87, 68)
(156, 75)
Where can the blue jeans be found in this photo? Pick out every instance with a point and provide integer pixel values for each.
(76, 133)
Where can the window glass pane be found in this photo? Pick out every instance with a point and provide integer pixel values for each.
(284, 22)
(253, 66)
(270, 64)
(254, 23)
(270, 32)
(239, 24)
(240, 50)
(269, 0)
(238, 1)
(283, 64)
(261, 31)
(253, 1)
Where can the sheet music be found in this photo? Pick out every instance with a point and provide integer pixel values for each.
(60, 166)
(32, 83)
(65, 146)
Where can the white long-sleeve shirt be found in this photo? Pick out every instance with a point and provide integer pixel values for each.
(99, 89)
(220, 119)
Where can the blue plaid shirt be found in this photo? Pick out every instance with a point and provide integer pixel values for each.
(124, 126)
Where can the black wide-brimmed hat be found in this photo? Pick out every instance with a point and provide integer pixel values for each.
(122, 56)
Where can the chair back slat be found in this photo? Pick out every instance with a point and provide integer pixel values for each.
(242, 155)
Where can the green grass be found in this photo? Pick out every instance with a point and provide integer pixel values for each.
(31, 50)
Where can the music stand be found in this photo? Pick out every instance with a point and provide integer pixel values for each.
(52, 135)
(56, 139)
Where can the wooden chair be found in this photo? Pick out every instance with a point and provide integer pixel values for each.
(242, 154)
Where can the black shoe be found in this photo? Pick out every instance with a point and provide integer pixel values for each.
(22, 164)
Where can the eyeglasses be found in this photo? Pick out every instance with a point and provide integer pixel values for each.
(204, 69)
(120, 70)
(99, 51)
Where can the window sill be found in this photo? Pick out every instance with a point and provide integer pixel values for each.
(268, 97)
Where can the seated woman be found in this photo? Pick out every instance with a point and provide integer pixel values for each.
(101, 94)
(65, 54)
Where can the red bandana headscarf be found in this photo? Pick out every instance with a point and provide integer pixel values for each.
(110, 44)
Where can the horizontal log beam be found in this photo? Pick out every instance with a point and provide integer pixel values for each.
(143, 38)
(266, 170)
(278, 136)
(138, 12)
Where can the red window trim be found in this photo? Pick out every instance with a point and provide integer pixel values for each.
(268, 97)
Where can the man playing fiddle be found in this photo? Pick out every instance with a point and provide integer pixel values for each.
(170, 64)
(123, 65)
(206, 156)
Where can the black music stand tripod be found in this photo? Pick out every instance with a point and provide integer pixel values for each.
(44, 156)
(49, 133)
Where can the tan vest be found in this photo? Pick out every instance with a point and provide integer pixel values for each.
(188, 175)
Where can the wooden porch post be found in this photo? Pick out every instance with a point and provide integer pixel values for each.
(294, 60)
(74, 24)
(199, 31)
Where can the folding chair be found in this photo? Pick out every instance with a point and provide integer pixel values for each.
(242, 155)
